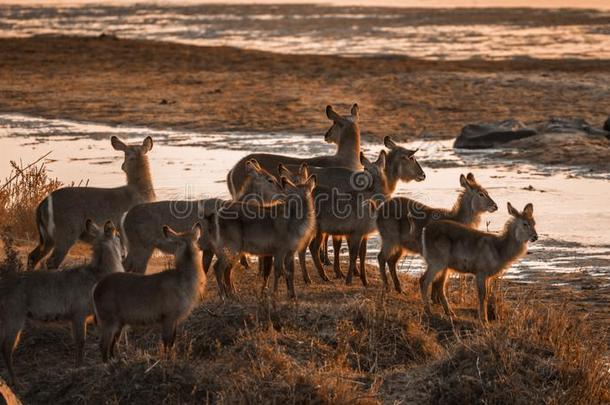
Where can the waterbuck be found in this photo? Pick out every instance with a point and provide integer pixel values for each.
(61, 215)
(400, 222)
(57, 295)
(401, 165)
(351, 214)
(142, 225)
(167, 297)
(451, 246)
(277, 231)
(345, 131)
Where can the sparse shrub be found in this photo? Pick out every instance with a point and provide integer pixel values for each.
(21, 193)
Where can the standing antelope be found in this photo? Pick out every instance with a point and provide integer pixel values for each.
(61, 215)
(142, 226)
(400, 165)
(167, 297)
(352, 214)
(400, 222)
(451, 245)
(345, 131)
(278, 231)
(57, 295)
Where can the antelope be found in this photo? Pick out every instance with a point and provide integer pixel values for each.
(401, 165)
(57, 295)
(351, 214)
(167, 297)
(142, 225)
(401, 220)
(345, 131)
(277, 231)
(451, 245)
(61, 215)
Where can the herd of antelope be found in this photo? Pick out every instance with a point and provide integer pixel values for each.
(280, 206)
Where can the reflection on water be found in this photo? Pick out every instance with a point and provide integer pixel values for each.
(571, 211)
(326, 30)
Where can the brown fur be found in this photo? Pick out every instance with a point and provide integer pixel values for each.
(278, 231)
(142, 225)
(401, 220)
(448, 245)
(61, 215)
(345, 131)
(165, 298)
(58, 295)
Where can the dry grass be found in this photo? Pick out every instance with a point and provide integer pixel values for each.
(335, 344)
(20, 194)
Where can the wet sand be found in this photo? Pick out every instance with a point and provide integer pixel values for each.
(166, 85)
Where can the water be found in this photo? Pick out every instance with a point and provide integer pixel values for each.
(570, 209)
(321, 29)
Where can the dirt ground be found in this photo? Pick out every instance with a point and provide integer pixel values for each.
(168, 85)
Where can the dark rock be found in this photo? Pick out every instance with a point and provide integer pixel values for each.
(489, 135)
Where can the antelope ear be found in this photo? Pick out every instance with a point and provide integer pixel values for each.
(311, 182)
(284, 181)
(255, 164)
(470, 177)
(412, 152)
(109, 228)
(511, 210)
(304, 170)
(283, 170)
(389, 142)
(167, 231)
(91, 228)
(117, 144)
(381, 160)
(147, 144)
(196, 231)
(364, 160)
(529, 210)
(355, 111)
(464, 182)
(331, 114)
(250, 166)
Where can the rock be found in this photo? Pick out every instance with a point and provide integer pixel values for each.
(489, 135)
(607, 125)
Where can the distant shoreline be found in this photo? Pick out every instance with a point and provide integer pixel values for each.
(167, 85)
(541, 4)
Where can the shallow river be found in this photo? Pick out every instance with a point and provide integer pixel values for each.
(571, 208)
(322, 29)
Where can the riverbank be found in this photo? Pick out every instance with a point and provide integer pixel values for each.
(164, 85)
(335, 344)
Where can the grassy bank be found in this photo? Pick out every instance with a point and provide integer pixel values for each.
(335, 344)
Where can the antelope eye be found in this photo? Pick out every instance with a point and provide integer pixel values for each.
(481, 194)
